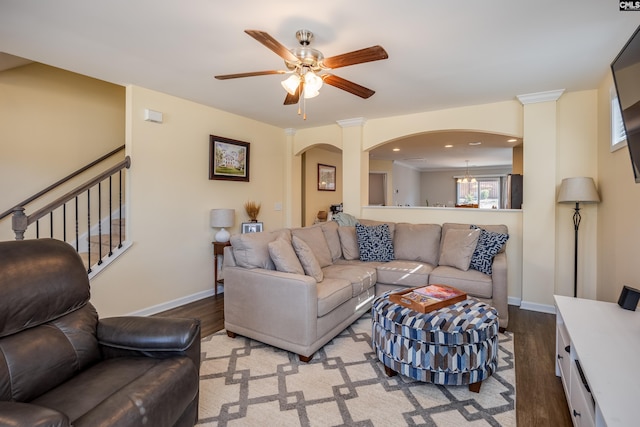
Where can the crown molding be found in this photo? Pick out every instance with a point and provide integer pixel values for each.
(533, 98)
(357, 121)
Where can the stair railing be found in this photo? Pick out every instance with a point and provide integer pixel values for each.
(20, 221)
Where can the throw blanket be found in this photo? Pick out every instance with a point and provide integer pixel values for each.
(344, 219)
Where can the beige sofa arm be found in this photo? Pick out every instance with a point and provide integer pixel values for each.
(500, 295)
(270, 306)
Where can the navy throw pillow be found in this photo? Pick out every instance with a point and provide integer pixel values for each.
(489, 244)
(374, 242)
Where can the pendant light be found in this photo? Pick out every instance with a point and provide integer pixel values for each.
(467, 178)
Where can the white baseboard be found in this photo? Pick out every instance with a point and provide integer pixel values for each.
(514, 301)
(173, 304)
(534, 306)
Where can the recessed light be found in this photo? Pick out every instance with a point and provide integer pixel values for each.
(448, 146)
(512, 140)
(475, 143)
(396, 149)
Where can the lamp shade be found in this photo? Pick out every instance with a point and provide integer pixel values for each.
(578, 190)
(222, 217)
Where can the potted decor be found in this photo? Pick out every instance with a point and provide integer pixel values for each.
(252, 209)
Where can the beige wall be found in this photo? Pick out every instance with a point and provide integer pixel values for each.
(171, 196)
(52, 122)
(577, 153)
(316, 200)
(618, 229)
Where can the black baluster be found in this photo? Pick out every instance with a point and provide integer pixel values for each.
(110, 216)
(77, 228)
(120, 202)
(89, 229)
(64, 222)
(100, 223)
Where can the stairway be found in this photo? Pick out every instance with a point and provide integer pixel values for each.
(102, 242)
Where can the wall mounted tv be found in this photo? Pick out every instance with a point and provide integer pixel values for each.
(626, 76)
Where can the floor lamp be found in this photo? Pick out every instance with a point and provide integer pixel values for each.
(577, 190)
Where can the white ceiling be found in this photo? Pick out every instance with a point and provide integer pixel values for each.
(441, 54)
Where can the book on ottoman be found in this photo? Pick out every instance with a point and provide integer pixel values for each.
(424, 299)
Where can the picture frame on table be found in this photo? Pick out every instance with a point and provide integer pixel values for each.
(251, 227)
(228, 159)
(326, 177)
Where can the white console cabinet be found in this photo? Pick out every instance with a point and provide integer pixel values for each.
(598, 359)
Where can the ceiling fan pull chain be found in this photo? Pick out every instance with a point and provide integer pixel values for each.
(304, 108)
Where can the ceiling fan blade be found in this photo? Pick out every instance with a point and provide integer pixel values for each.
(293, 99)
(373, 53)
(251, 74)
(348, 86)
(273, 44)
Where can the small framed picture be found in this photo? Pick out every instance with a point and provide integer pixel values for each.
(326, 177)
(251, 227)
(228, 159)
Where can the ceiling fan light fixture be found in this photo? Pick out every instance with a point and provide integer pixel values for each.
(291, 84)
(310, 94)
(312, 81)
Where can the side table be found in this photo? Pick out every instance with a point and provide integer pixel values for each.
(218, 249)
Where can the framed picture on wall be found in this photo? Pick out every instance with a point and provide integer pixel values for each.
(228, 159)
(326, 177)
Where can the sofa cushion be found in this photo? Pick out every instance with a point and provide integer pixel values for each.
(349, 242)
(489, 244)
(307, 259)
(330, 230)
(360, 276)
(417, 242)
(332, 292)
(251, 250)
(374, 242)
(496, 228)
(404, 273)
(314, 238)
(284, 256)
(392, 225)
(458, 247)
(472, 282)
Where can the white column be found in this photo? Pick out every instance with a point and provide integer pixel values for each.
(292, 203)
(355, 166)
(539, 199)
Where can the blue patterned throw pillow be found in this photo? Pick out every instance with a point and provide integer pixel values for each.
(374, 242)
(489, 244)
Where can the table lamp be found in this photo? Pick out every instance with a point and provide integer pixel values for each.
(222, 218)
(577, 190)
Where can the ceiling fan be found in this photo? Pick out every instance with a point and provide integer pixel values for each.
(308, 67)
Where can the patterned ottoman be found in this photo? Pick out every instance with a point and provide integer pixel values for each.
(455, 345)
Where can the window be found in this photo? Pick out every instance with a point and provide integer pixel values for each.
(618, 135)
(485, 192)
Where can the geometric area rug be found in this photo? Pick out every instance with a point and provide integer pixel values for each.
(244, 382)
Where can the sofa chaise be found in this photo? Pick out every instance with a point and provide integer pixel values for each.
(298, 288)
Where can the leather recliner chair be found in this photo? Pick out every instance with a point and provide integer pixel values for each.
(60, 365)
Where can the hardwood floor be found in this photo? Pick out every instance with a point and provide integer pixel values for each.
(540, 399)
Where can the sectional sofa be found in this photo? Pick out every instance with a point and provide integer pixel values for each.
(298, 288)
